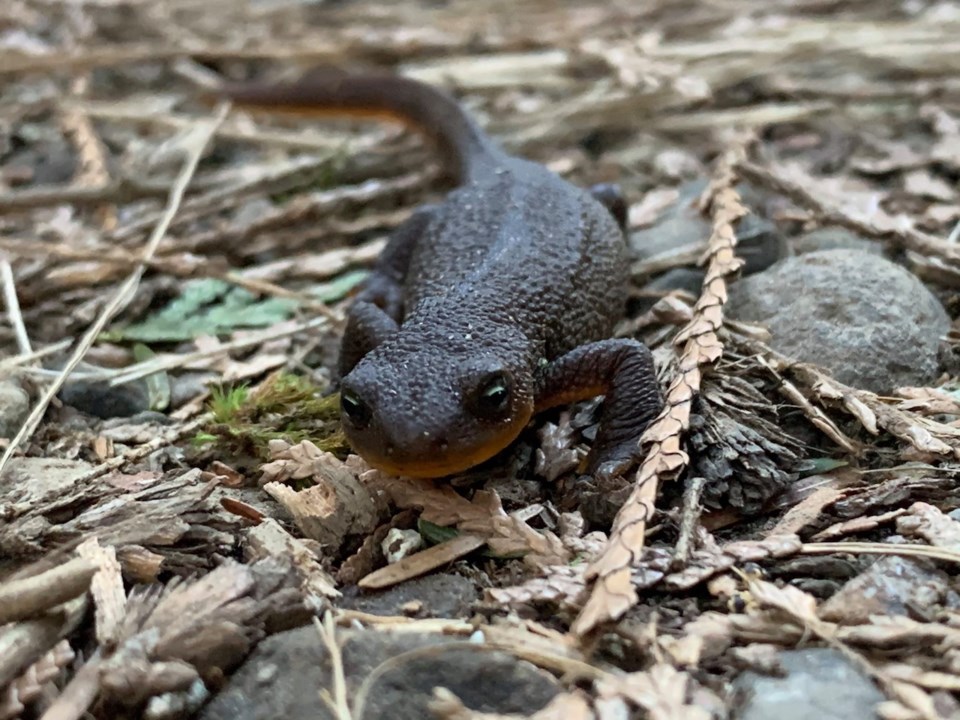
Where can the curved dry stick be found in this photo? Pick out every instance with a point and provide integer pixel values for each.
(613, 593)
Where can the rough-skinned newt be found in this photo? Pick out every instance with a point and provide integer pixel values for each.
(490, 307)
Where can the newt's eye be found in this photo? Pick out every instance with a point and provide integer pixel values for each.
(492, 396)
(356, 410)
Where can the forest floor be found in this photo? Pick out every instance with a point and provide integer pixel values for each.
(183, 531)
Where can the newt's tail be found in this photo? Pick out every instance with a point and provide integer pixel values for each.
(465, 147)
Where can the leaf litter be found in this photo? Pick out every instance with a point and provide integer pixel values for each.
(242, 513)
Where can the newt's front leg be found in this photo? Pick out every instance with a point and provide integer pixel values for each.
(377, 310)
(620, 369)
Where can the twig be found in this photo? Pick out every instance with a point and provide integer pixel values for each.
(8, 364)
(130, 373)
(314, 206)
(867, 548)
(13, 308)
(182, 265)
(689, 519)
(297, 172)
(613, 593)
(311, 50)
(29, 597)
(276, 138)
(27, 641)
(742, 117)
(194, 146)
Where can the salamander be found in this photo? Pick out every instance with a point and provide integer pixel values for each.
(492, 306)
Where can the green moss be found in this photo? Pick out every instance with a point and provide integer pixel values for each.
(283, 407)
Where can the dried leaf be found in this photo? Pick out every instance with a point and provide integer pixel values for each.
(662, 691)
(422, 562)
(857, 525)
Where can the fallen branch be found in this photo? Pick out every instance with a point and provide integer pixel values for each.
(613, 593)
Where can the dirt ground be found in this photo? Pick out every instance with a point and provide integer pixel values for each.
(183, 529)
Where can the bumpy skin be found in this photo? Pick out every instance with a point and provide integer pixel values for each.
(483, 310)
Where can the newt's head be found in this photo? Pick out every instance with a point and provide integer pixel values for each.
(431, 411)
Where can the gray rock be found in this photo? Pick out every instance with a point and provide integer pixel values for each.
(833, 238)
(14, 407)
(867, 320)
(820, 684)
(283, 676)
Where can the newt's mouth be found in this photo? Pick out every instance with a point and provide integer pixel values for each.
(433, 467)
(433, 463)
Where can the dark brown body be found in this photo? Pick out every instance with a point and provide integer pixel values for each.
(485, 309)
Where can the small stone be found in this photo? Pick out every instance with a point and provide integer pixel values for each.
(819, 683)
(400, 543)
(867, 320)
(14, 408)
(187, 386)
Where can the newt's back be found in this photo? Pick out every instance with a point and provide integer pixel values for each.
(522, 245)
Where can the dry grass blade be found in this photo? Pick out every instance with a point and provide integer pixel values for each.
(13, 307)
(814, 414)
(27, 358)
(194, 146)
(337, 702)
(867, 548)
(613, 593)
